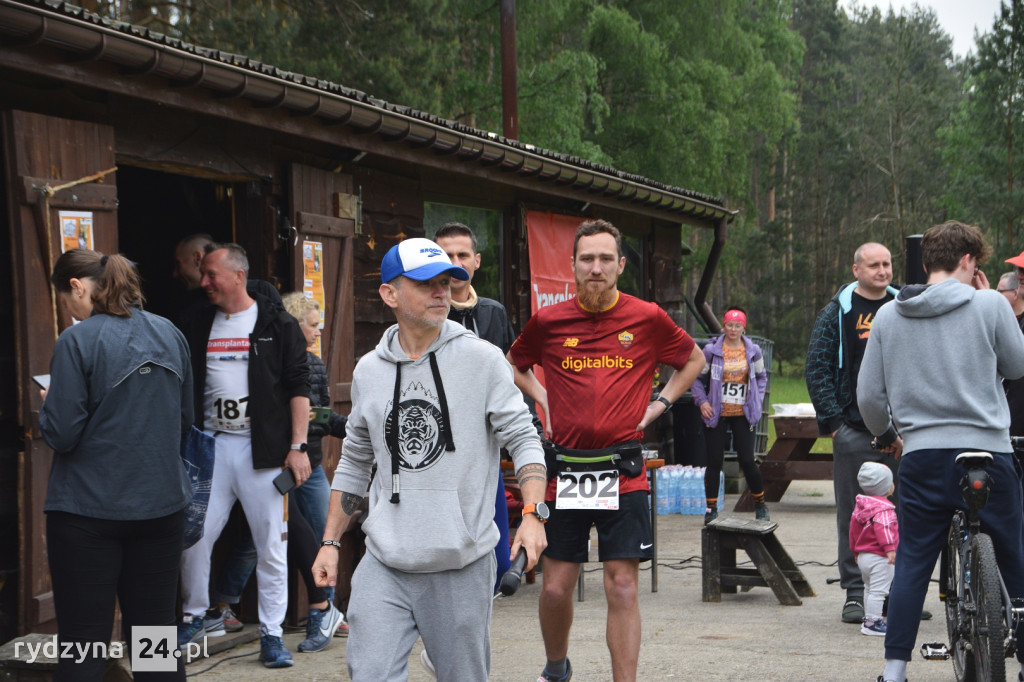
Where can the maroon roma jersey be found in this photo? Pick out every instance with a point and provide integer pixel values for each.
(599, 368)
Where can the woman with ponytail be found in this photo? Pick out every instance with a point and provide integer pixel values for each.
(118, 406)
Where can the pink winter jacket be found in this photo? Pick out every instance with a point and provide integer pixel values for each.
(873, 526)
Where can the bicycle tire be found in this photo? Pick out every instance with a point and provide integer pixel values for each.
(988, 636)
(956, 629)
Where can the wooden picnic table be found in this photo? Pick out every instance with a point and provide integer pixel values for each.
(790, 459)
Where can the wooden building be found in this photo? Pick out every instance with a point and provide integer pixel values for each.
(130, 141)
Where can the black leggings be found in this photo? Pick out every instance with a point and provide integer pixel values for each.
(743, 442)
(92, 561)
(302, 549)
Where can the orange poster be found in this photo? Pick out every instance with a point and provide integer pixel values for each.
(75, 230)
(313, 282)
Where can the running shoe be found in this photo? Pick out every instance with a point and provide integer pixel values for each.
(231, 622)
(191, 630)
(272, 651)
(320, 628)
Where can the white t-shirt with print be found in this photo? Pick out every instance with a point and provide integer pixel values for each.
(226, 399)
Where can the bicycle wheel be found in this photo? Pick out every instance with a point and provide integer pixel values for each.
(949, 574)
(988, 637)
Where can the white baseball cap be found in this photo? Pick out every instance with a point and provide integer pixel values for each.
(419, 259)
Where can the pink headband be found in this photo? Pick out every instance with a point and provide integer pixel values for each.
(736, 316)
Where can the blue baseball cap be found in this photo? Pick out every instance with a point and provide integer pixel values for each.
(419, 259)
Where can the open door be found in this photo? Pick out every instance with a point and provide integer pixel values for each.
(323, 213)
(42, 154)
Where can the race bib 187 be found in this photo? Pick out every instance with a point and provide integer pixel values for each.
(229, 414)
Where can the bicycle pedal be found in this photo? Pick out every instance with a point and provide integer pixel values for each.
(934, 651)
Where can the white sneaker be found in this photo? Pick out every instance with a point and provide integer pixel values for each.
(342, 630)
(427, 664)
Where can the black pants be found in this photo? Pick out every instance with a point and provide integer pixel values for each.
(743, 442)
(92, 561)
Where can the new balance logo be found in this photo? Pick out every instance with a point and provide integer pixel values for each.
(570, 343)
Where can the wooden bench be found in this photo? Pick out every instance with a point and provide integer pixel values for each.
(773, 567)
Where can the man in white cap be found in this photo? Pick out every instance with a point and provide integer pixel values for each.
(432, 406)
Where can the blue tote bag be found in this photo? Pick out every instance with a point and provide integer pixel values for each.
(197, 454)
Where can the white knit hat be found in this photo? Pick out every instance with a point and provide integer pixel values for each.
(874, 478)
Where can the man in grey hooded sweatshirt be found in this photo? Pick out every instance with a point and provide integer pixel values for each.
(432, 406)
(931, 372)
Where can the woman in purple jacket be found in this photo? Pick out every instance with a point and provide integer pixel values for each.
(729, 393)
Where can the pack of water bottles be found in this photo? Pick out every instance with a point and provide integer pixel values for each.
(681, 490)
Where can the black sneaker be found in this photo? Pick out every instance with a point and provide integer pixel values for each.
(853, 610)
(710, 516)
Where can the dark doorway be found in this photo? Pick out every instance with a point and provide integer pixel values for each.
(156, 210)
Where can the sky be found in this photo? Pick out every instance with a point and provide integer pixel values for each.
(958, 18)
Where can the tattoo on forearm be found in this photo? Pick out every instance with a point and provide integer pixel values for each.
(532, 472)
(350, 503)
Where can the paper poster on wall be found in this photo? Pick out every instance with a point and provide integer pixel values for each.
(313, 282)
(75, 230)
(550, 237)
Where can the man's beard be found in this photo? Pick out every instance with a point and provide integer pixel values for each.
(594, 300)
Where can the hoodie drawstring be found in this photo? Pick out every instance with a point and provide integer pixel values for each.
(392, 435)
(449, 440)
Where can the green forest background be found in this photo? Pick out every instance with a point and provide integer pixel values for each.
(825, 127)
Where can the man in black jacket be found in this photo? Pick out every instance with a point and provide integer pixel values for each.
(834, 355)
(487, 319)
(252, 393)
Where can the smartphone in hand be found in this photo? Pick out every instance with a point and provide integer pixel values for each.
(43, 380)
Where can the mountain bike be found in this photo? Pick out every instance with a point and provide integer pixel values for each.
(981, 619)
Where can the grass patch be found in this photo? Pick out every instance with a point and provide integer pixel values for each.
(788, 390)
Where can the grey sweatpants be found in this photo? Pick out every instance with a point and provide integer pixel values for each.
(450, 610)
(850, 449)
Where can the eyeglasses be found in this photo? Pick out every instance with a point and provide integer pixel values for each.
(1007, 291)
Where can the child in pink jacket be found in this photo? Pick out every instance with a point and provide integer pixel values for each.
(874, 536)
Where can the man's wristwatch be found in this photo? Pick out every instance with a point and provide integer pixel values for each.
(540, 510)
(664, 401)
(301, 447)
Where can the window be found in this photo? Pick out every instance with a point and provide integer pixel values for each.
(486, 225)
(631, 281)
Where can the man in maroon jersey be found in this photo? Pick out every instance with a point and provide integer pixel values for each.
(599, 353)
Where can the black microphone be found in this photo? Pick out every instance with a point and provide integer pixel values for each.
(514, 575)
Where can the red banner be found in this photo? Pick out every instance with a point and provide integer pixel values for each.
(550, 237)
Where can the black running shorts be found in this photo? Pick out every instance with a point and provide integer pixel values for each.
(621, 534)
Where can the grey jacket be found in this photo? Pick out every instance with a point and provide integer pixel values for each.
(443, 518)
(120, 399)
(934, 358)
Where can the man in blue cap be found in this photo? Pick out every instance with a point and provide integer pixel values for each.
(432, 406)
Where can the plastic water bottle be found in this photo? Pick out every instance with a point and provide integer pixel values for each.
(684, 489)
(698, 493)
(663, 491)
(721, 490)
(677, 488)
(691, 487)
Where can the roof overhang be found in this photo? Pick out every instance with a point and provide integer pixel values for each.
(84, 38)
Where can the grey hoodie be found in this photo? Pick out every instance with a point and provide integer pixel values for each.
(442, 516)
(935, 356)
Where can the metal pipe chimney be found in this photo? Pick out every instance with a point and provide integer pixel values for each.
(509, 76)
